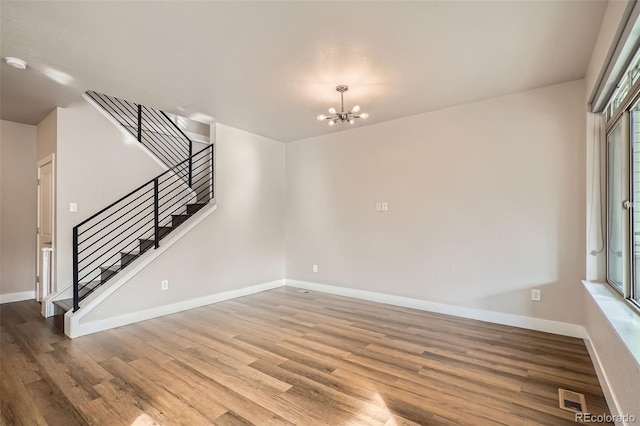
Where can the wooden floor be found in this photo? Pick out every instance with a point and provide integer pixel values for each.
(286, 357)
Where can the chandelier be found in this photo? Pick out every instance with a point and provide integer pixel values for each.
(349, 117)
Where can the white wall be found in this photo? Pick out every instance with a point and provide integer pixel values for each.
(97, 163)
(241, 244)
(18, 205)
(486, 202)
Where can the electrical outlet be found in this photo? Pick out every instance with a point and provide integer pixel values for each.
(315, 268)
(73, 207)
(164, 285)
(378, 207)
(385, 206)
(535, 295)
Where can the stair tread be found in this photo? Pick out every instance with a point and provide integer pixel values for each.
(65, 304)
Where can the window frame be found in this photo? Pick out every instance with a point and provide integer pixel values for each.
(615, 115)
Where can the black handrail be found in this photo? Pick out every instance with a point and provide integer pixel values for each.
(95, 255)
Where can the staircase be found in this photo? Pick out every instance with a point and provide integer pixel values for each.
(114, 238)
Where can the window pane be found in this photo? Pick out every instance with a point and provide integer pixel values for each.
(615, 196)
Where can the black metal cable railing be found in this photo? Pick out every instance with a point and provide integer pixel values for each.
(109, 240)
(152, 128)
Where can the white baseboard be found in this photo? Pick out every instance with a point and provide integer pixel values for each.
(605, 384)
(538, 324)
(74, 328)
(17, 297)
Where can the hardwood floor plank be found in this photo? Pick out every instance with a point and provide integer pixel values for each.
(325, 397)
(76, 388)
(17, 407)
(54, 405)
(97, 410)
(231, 419)
(235, 402)
(174, 408)
(25, 367)
(131, 406)
(205, 403)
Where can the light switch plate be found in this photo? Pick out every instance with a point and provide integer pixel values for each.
(535, 295)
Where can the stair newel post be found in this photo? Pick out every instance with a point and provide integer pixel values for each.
(156, 214)
(76, 302)
(139, 123)
(190, 164)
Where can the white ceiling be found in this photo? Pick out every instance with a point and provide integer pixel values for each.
(271, 67)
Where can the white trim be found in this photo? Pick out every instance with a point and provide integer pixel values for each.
(538, 324)
(80, 329)
(605, 383)
(17, 297)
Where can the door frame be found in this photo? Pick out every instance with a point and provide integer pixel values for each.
(51, 158)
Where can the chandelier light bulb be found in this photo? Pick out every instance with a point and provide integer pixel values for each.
(332, 123)
(332, 110)
(364, 115)
(355, 108)
(351, 121)
(321, 117)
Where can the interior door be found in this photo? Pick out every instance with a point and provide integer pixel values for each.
(45, 230)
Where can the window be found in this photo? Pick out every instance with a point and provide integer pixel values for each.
(622, 114)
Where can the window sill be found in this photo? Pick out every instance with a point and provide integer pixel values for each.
(624, 318)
